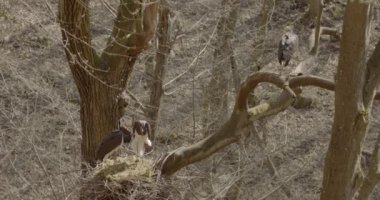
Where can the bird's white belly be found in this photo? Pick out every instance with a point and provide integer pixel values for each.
(138, 144)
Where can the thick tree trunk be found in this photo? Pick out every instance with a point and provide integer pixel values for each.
(97, 118)
(101, 79)
(353, 99)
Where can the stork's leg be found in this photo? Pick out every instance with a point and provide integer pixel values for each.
(140, 149)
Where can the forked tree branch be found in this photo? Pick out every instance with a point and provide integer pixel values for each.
(133, 29)
(251, 83)
(101, 79)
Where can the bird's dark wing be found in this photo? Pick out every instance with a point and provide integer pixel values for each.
(109, 143)
(126, 134)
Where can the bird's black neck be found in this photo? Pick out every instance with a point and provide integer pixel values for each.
(127, 135)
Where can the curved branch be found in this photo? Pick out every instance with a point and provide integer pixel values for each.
(280, 103)
(228, 133)
(317, 82)
(309, 80)
(252, 81)
(273, 106)
(240, 118)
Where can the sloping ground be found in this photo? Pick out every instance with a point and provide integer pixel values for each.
(39, 145)
(39, 118)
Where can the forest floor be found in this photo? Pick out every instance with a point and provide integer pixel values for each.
(40, 133)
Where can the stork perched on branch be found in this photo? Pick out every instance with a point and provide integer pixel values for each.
(113, 142)
(288, 45)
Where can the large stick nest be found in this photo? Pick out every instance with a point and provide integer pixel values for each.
(125, 178)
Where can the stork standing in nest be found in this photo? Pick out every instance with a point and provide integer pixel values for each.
(288, 45)
(141, 131)
(112, 143)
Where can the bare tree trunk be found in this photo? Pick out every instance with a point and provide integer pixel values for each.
(355, 88)
(373, 176)
(235, 73)
(260, 47)
(233, 17)
(215, 98)
(100, 79)
(317, 24)
(315, 7)
(224, 66)
(267, 9)
(164, 46)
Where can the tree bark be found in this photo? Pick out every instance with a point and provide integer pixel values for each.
(373, 176)
(164, 46)
(317, 24)
(266, 13)
(215, 97)
(315, 7)
(100, 79)
(353, 100)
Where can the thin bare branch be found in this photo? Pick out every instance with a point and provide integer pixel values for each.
(194, 61)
